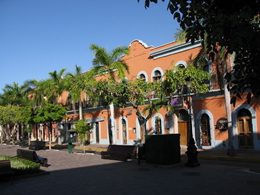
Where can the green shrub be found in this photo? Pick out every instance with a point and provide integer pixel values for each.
(22, 166)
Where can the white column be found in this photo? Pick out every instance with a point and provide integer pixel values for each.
(112, 120)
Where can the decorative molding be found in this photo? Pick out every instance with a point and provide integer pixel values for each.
(153, 71)
(141, 42)
(174, 49)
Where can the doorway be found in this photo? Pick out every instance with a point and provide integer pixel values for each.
(183, 126)
(245, 130)
(205, 130)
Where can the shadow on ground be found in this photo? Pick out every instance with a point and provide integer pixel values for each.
(98, 176)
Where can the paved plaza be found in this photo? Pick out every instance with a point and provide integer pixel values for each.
(89, 174)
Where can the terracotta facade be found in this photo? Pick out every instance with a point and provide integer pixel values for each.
(206, 119)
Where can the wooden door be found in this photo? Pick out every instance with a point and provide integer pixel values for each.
(245, 133)
(183, 131)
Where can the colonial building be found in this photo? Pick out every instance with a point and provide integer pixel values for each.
(205, 120)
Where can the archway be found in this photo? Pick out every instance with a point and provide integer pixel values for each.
(205, 130)
(244, 128)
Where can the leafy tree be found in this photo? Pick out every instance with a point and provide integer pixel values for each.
(16, 99)
(175, 80)
(82, 129)
(49, 114)
(138, 94)
(13, 119)
(147, 98)
(233, 25)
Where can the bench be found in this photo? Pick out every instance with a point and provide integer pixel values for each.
(5, 169)
(119, 152)
(32, 156)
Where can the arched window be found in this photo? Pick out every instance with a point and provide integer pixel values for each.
(142, 75)
(157, 76)
(181, 64)
(205, 130)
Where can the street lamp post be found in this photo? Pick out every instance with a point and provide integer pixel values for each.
(191, 152)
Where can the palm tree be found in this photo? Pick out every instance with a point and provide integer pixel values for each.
(105, 62)
(111, 63)
(14, 94)
(56, 83)
(180, 36)
(77, 84)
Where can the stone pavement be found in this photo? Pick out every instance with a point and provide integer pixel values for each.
(89, 174)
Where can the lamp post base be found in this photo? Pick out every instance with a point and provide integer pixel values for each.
(192, 154)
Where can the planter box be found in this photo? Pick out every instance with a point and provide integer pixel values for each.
(37, 145)
(163, 149)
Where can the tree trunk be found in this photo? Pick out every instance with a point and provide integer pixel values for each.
(223, 63)
(231, 148)
(17, 132)
(74, 107)
(5, 136)
(29, 138)
(112, 121)
(80, 111)
(229, 119)
(1, 134)
(142, 122)
(50, 135)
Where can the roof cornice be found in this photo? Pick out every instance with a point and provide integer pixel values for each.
(174, 49)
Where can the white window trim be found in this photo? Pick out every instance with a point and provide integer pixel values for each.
(198, 131)
(181, 62)
(145, 74)
(162, 121)
(155, 69)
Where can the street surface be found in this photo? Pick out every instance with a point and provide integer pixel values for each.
(76, 174)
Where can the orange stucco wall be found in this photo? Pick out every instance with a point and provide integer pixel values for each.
(139, 59)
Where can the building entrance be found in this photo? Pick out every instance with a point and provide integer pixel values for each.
(183, 126)
(245, 130)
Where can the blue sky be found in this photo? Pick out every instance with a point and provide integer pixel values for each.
(40, 36)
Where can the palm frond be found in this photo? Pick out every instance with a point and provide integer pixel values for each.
(118, 52)
(101, 56)
(180, 36)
